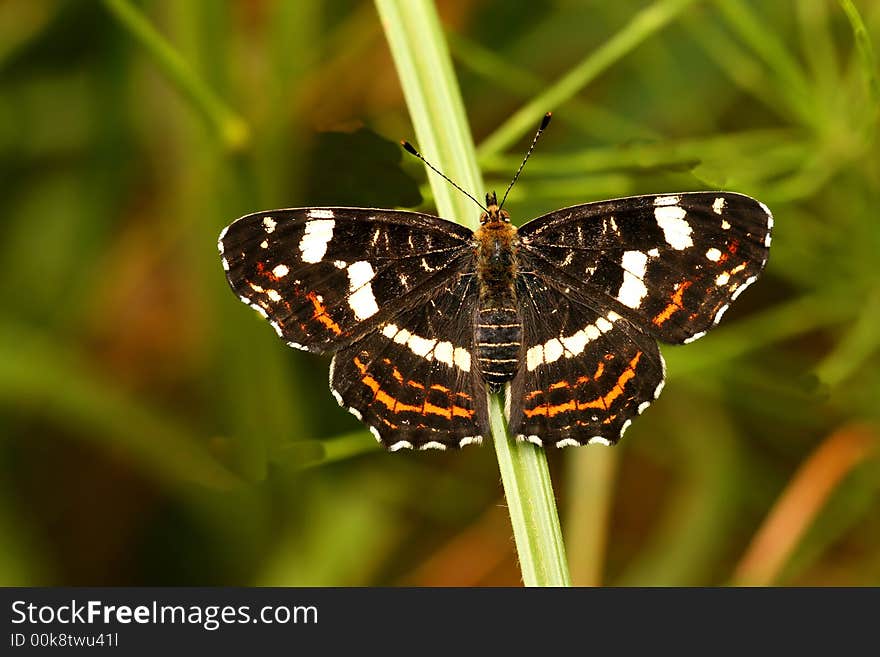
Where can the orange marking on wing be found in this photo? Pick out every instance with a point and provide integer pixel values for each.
(321, 314)
(415, 384)
(395, 405)
(598, 402)
(533, 394)
(673, 305)
(559, 384)
(599, 369)
(262, 271)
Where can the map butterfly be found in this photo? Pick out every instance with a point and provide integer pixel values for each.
(562, 315)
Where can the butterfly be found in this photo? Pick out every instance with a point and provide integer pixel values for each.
(561, 315)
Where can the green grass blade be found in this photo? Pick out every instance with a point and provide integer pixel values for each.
(643, 25)
(432, 95)
(865, 50)
(231, 129)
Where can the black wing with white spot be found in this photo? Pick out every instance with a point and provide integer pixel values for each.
(586, 371)
(325, 277)
(671, 264)
(413, 381)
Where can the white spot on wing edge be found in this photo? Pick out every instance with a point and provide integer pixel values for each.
(400, 444)
(470, 440)
(599, 440)
(339, 400)
(313, 244)
(320, 213)
(432, 444)
(676, 231)
(667, 200)
(625, 427)
(742, 287)
(660, 385)
(225, 264)
(269, 224)
(694, 337)
(644, 405)
(720, 313)
(567, 442)
(718, 205)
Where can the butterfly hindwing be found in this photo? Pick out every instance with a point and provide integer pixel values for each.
(671, 264)
(412, 380)
(586, 371)
(324, 277)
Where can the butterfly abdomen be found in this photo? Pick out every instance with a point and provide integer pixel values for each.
(498, 343)
(498, 331)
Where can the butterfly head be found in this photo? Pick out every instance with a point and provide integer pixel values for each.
(493, 212)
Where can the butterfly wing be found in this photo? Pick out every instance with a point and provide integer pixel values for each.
(393, 293)
(670, 264)
(412, 381)
(599, 282)
(586, 372)
(324, 277)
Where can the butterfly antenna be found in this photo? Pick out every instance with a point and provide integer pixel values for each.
(409, 148)
(544, 123)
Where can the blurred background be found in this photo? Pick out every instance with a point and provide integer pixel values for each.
(154, 430)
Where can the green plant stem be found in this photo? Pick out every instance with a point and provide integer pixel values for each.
(591, 474)
(866, 53)
(420, 54)
(232, 130)
(644, 24)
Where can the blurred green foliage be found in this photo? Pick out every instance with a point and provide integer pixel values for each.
(155, 431)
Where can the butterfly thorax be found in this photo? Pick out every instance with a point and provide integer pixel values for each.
(498, 330)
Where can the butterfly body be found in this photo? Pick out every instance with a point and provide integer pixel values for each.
(498, 328)
(562, 315)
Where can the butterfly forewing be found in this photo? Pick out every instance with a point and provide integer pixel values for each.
(671, 264)
(324, 277)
